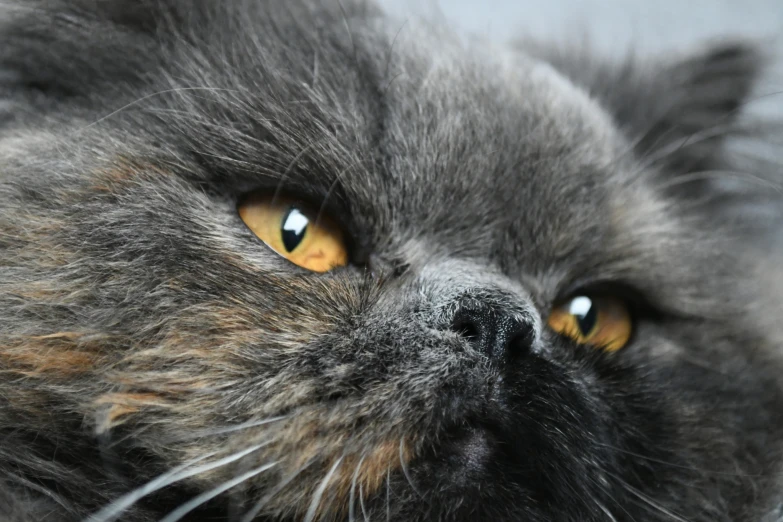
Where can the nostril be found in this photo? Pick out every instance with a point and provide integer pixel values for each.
(521, 341)
(466, 329)
(468, 325)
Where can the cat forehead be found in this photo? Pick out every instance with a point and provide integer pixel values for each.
(480, 79)
(490, 136)
(541, 95)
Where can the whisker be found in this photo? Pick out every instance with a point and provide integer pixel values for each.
(650, 502)
(192, 504)
(388, 494)
(210, 124)
(40, 489)
(719, 174)
(152, 95)
(348, 29)
(604, 509)
(721, 123)
(116, 508)
(612, 498)
(679, 466)
(647, 500)
(361, 503)
(406, 473)
(291, 166)
(650, 159)
(331, 189)
(311, 512)
(391, 48)
(700, 136)
(657, 154)
(231, 429)
(256, 509)
(352, 502)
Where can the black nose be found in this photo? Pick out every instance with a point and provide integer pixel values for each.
(494, 332)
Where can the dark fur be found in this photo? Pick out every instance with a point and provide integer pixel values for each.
(139, 319)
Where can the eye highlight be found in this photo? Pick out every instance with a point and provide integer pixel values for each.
(294, 230)
(600, 321)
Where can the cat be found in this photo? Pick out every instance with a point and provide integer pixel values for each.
(303, 261)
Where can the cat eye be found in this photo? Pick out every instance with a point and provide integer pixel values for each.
(600, 321)
(295, 230)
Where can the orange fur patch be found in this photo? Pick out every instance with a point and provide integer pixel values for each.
(124, 404)
(370, 474)
(59, 354)
(122, 172)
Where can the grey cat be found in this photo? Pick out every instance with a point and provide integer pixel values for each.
(293, 261)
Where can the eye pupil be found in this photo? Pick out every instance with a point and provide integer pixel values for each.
(294, 228)
(585, 313)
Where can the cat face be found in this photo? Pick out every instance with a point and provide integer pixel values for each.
(310, 268)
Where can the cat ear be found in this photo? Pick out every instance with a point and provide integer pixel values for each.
(697, 103)
(676, 111)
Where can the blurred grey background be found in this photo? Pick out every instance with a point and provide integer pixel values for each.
(613, 25)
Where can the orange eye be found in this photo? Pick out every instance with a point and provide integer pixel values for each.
(603, 322)
(293, 230)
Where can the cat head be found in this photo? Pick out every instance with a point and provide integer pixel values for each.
(323, 267)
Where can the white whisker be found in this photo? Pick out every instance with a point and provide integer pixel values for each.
(361, 503)
(40, 489)
(704, 175)
(291, 166)
(153, 95)
(602, 484)
(329, 192)
(311, 512)
(352, 502)
(192, 504)
(116, 508)
(648, 501)
(230, 429)
(388, 494)
(604, 509)
(680, 465)
(250, 515)
(406, 473)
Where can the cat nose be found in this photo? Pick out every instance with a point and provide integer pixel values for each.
(496, 333)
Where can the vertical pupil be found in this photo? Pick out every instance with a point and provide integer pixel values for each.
(294, 228)
(584, 312)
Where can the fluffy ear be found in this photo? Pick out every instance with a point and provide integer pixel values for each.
(676, 111)
(697, 104)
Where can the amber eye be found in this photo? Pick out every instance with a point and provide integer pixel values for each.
(308, 238)
(603, 322)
